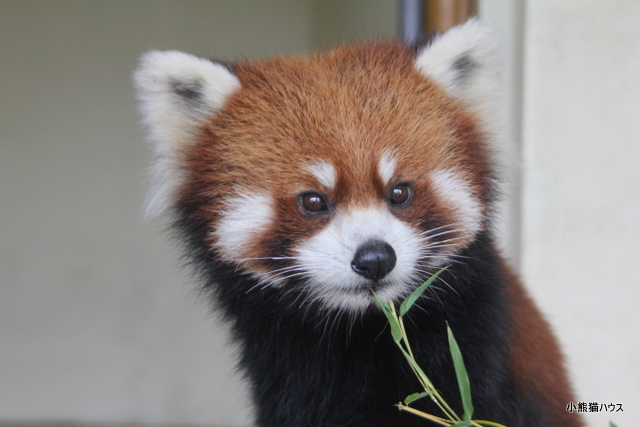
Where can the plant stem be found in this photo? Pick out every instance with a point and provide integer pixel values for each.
(487, 423)
(430, 417)
(424, 380)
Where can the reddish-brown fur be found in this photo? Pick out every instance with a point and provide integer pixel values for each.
(544, 374)
(348, 130)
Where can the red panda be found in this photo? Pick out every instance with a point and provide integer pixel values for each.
(299, 185)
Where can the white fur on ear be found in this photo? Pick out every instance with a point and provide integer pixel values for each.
(176, 92)
(466, 61)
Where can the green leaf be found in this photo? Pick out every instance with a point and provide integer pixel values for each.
(464, 423)
(461, 374)
(383, 305)
(611, 424)
(424, 379)
(415, 396)
(396, 331)
(413, 297)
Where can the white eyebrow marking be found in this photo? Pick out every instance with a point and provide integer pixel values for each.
(244, 217)
(387, 167)
(457, 192)
(324, 172)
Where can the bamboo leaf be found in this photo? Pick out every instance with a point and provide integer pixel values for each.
(396, 331)
(415, 396)
(461, 374)
(383, 305)
(413, 297)
(424, 379)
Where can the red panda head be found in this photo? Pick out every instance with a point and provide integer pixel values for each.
(362, 168)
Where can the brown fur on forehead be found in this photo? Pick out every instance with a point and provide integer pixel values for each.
(349, 107)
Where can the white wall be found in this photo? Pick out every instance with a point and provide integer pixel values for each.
(581, 190)
(97, 322)
(572, 216)
(335, 21)
(507, 18)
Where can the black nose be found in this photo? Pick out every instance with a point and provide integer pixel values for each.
(374, 260)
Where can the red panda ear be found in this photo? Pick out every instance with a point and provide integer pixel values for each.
(176, 93)
(466, 61)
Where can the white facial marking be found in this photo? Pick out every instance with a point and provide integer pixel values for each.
(387, 167)
(245, 215)
(324, 172)
(326, 258)
(457, 193)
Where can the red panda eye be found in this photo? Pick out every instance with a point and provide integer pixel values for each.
(313, 203)
(400, 194)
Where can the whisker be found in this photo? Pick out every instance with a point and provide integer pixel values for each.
(338, 240)
(261, 284)
(447, 228)
(443, 233)
(439, 242)
(289, 276)
(448, 285)
(263, 258)
(443, 226)
(431, 248)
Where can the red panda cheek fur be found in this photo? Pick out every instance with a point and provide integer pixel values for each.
(349, 125)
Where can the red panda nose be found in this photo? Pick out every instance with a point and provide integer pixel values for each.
(374, 260)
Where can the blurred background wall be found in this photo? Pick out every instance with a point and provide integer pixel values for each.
(98, 323)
